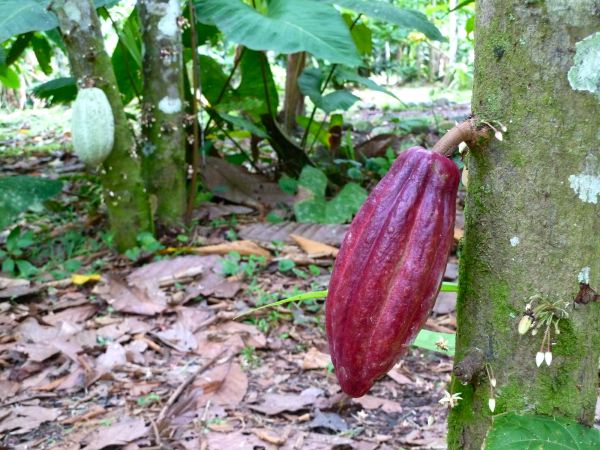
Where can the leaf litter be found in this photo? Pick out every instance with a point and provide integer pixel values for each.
(147, 354)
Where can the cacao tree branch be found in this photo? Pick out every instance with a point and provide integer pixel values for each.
(470, 366)
(466, 131)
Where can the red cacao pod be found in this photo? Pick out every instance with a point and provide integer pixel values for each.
(390, 267)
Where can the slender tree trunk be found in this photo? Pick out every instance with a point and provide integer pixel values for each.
(294, 100)
(532, 219)
(163, 148)
(124, 191)
(452, 42)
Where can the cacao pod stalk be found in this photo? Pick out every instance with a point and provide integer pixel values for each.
(390, 266)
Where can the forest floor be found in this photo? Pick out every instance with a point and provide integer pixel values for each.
(144, 351)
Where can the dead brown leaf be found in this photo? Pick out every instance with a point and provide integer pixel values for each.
(222, 385)
(372, 402)
(314, 249)
(236, 184)
(126, 430)
(244, 248)
(23, 419)
(132, 300)
(314, 359)
(274, 404)
(268, 232)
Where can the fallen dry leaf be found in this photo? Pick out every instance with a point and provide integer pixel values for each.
(131, 299)
(269, 232)
(314, 359)
(314, 249)
(372, 402)
(222, 385)
(244, 248)
(23, 419)
(274, 404)
(126, 430)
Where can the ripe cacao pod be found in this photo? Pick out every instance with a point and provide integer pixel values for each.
(390, 267)
(92, 126)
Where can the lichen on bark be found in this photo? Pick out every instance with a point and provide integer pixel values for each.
(163, 148)
(520, 187)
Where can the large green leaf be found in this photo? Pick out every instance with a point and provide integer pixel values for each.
(252, 65)
(404, 18)
(342, 74)
(310, 83)
(59, 90)
(17, 193)
(524, 432)
(43, 52)
(287, 27)
(213, 79)
(21, 16)
(127, 58)
(343, 206)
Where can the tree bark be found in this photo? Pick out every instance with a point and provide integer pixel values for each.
(124, 192)
(294, 100)
(532, 218)
(163, 147)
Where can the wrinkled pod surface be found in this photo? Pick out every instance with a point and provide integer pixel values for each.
(390, 267)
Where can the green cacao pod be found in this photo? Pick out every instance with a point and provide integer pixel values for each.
(390, 266)
(92, 126)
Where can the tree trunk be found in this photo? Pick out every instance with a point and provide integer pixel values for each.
(452, 42)
(294, 100)
(124, 192)
(532, 218)
(163, 148)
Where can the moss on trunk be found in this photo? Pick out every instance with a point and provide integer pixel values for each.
(528, 228)
(163, 149)
(124, 192)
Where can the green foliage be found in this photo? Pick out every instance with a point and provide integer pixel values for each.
(521, 432)
(59, 90)
(235, 264)
(285, 265)
(14, 258)
(286, 27)
(21, 16)
(18, 193)
(404, 18)
(146, 244)
(310, 83)
(436, 342)
(315, 208)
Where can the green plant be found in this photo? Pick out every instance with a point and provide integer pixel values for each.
(312, 186)
(147, 400)
(14, 258)
(146, 243)
(235, 264)
(250, 359)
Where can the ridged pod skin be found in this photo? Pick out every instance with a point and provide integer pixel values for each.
(92, 126)
(390, 267)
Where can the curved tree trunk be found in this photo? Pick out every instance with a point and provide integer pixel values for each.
(124, 191)
(163, 149)
(532, 218)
